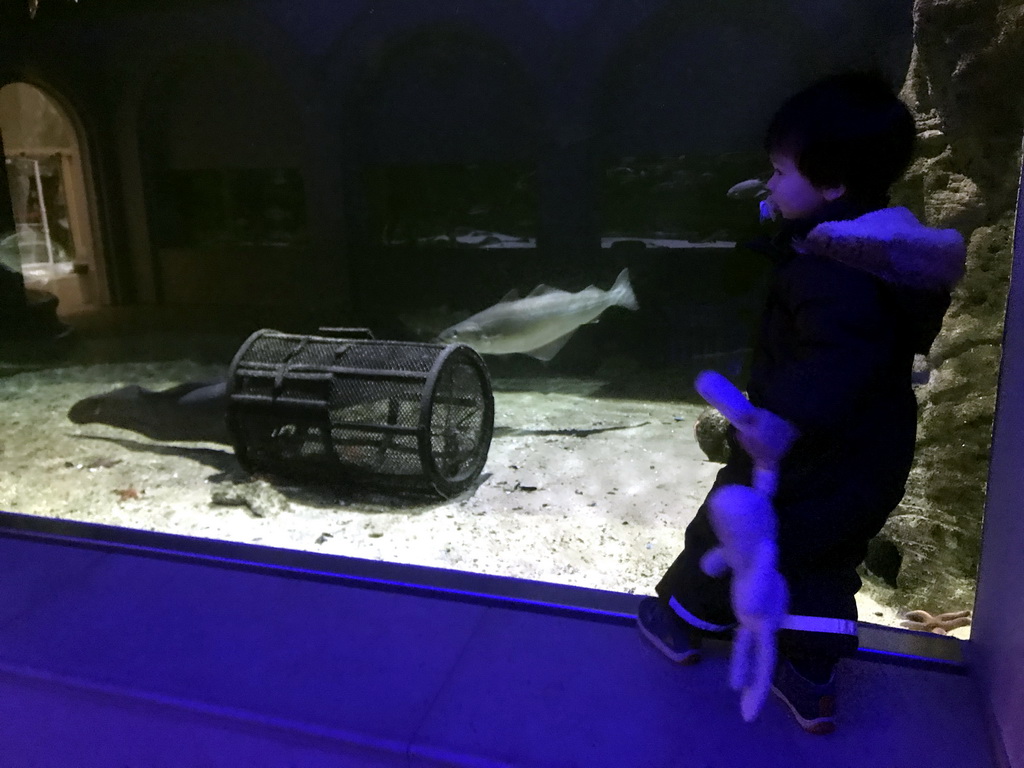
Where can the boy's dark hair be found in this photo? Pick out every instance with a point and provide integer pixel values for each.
(848, 129)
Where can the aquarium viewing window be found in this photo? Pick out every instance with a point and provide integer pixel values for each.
(407, 171)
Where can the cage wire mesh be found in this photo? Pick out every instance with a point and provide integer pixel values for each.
(395, 415)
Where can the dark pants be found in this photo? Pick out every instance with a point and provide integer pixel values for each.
(822, 539)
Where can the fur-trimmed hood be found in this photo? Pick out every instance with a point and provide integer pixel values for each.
(892, 244)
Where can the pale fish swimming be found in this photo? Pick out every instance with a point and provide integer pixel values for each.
(540, 324)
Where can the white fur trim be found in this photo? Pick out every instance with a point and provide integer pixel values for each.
(893, 245)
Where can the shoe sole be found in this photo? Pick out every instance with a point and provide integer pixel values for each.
(819, 726)
(691, 656)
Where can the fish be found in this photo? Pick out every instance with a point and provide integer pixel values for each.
(745, 190)
(540, 324)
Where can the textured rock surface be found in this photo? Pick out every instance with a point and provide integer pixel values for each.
(963, 86)
(710, 429)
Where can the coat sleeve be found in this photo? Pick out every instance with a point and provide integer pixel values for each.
(841, 345)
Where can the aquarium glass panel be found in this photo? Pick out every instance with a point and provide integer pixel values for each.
(572, 195)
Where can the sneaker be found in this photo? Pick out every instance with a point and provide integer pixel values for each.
(813, 706)
(667, 632)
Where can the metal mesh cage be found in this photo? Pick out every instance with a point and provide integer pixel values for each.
(392, 414)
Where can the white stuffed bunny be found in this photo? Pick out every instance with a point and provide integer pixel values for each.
(744, 521)
(745, 524)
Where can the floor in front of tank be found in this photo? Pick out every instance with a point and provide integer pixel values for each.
(123, 656)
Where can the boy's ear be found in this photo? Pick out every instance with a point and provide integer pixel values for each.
(833, 193)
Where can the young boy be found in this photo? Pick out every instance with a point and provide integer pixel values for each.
(856, 290)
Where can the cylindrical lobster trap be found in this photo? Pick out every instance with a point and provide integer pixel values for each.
(391, 414)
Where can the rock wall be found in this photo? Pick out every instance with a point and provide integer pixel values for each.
(963, 86)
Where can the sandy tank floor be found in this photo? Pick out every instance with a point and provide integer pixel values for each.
(577, 489)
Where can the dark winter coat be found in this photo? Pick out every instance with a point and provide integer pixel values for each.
(852, 299)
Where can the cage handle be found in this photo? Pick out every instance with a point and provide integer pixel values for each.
(348, 333)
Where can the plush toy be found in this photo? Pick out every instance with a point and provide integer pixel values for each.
(745, 524)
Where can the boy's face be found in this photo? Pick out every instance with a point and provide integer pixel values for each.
(792, 193)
